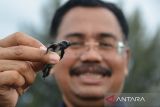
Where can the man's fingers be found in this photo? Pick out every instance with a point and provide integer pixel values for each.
(11, 78)
(20, 39)
(23, 68)
(7, 65)
(26, 53)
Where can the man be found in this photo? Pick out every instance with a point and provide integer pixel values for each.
(96, 65)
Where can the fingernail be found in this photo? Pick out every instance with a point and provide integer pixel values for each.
(43, 48)
(54, 58)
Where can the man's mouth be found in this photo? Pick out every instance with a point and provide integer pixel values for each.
(90, 73)
(92, 70)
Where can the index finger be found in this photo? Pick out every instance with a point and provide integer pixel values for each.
(20, 39)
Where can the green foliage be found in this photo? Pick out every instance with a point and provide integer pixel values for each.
(144, 71)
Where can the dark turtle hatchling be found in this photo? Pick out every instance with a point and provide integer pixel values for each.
(59, 49)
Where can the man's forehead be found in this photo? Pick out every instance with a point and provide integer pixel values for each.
(97, 18)
(83, 13)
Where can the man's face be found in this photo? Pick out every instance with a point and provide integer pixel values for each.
(88, 70)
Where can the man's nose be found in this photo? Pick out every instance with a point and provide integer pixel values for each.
(91, 55)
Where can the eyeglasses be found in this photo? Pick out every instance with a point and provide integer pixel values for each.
(108, 46)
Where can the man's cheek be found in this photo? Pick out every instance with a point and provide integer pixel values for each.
(68, 61)
(118, 78)
(118, 82)
(118, 66)
(61, 70)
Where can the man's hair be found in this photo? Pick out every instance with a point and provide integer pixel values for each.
(60, 13)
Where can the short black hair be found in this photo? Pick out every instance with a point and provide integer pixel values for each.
(59, 14)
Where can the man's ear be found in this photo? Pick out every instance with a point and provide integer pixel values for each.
(127, 60)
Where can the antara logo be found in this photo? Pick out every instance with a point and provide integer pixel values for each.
(112, 99)
(131, 99)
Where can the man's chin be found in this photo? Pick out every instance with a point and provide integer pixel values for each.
(91, 92)
(89, 99)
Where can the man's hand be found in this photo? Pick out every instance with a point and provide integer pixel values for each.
(21, 56)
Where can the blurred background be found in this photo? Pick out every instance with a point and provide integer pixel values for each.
(34, 16)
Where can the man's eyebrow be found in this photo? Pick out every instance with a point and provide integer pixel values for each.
(107, 35)
(77, 35)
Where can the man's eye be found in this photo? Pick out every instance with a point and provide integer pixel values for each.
(106, 45)
(76, 44)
